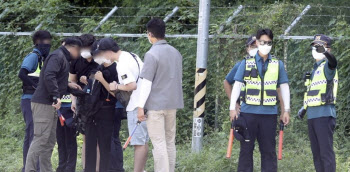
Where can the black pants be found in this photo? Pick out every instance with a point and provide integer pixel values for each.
(262, 128)
(116, 164)
(99, 130)
(67, 144)
(29, 131)
(321, 138)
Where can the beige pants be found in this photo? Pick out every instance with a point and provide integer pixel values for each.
(45, 123)
(162, 130)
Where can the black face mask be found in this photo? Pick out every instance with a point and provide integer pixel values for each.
(44, 49)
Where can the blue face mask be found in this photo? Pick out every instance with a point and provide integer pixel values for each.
(44, 49)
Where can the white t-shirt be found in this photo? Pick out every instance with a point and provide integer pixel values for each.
(128, 72)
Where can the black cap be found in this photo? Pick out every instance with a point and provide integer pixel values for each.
(105, 44)
(322, 39)
(240, 130)
(251, 40)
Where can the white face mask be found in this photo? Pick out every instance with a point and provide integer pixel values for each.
(102, 60)
(318, 56)
(253, 52)
(264, 49)
(85, 54)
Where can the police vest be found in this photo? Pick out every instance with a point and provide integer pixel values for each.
(28, 89)
(36, 73)
(66, 99)
(320, 91)
(260, 91)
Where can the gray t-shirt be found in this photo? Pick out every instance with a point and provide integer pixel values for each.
(163, 67)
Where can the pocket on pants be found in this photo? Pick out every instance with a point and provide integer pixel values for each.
(40, 125)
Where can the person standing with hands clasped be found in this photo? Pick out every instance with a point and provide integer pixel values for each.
(319, 103)
(161, 94)
(53, 83)
(261, 76)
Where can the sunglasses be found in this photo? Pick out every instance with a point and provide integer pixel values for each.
(269, 43)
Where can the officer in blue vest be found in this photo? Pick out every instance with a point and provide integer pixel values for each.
(252, 49)
(29, 75)
(319, 103)
(260, 76)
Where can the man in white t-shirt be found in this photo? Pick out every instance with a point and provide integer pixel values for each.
(129, 67)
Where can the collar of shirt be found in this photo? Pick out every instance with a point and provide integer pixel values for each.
(66, 53)
(258, 58)
(318, 63)
(37, 50)
(160, 42)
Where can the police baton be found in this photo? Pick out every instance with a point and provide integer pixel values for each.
(230, 142)
(132, 133)
(280, 144)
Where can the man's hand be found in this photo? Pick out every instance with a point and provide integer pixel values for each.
(285, 118)
(74, 86)
(57, 105)
(83, 79)
(233, 115)
(113, 86)
(141, 114)
(99, 76)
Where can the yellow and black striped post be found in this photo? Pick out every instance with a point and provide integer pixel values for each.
(201, 75)
(199, 92)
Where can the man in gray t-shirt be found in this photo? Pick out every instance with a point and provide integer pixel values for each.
(161, 94)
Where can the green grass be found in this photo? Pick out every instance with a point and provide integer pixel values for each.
(297, 156)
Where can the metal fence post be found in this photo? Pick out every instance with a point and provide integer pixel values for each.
(201, 74)
(286, 32)
(171, 14)
(105, 18)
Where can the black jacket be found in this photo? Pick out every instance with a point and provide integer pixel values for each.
(53, 80)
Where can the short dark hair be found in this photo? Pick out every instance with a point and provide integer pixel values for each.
(157, 27)
(87, 40)
(41, 35)
(262, 32)
(72, 41)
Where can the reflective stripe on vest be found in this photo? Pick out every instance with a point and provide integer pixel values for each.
(66, 99)
(317, 91)
(36, 73)
(253, 83)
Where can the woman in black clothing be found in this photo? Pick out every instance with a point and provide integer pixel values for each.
(99, 127)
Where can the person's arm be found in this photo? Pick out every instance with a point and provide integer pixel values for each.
(29, 63)
(52, 69)
(236, 90)
(73, 78)
(99, 77)
(228, 88)
(280, 99)
(128, 87)
(23, 75)
(145, 90)
(229, 79)
(147, 75)
(285, 93)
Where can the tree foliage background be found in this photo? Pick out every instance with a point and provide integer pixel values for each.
(328, 17)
